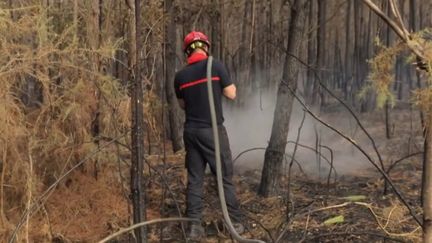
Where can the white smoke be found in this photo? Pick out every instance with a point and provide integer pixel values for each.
(249, 126)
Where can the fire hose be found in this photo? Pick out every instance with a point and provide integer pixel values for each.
(218, 159)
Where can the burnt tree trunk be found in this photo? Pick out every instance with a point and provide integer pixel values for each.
(137, 135)
(318, 96)
(355, 63)
(275, 151)
(413, 27)
(310, 53)
(387, 104)
(243, 41)
(243, 55)
(216, 29)
(94, 39)
(427, 161)
(427, 182)
(253, 50)
(347, 84)
(170, 57)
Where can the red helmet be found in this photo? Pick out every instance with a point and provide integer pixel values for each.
(195, 36)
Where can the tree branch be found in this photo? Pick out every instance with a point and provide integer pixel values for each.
(382, 172)
(132, 227)
(401, 31)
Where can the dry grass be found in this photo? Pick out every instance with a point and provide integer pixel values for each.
(86, 209)
(43, 136)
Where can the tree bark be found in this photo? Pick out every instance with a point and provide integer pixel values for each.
(170, 57)
(275, 151)
(357, 15)
(387, 104)
(215, 29)
(414, 28)
(94, 37)
(253, 51)
(427, 183)
(311, 55)
(348, 67)
(137, 134)
(318, 96)
(243, 42)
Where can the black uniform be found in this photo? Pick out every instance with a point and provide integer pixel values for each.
(190, 85)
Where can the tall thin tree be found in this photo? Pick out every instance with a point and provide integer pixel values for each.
(274, 154)
(137, 180)
(170, 59)
(318, 96)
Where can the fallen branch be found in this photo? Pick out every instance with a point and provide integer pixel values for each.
(155, 221)
(262, 226)
(367, 205)
(360, 233)
(285, 230)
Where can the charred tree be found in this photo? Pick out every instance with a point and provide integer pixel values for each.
(243, 41)
(318, 96)
(216, 29)
(356, 42)
(253, 51)
(170, 57)
(94, 39)
(427, 182)
(137, 135)
(275, 151)
(311, 55)
(387, 104)
(414, 27)
(346, 85)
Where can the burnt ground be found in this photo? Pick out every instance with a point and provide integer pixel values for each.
(86, 209)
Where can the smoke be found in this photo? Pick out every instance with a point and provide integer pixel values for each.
(249, 126)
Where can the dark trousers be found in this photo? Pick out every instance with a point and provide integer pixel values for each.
(199, 145)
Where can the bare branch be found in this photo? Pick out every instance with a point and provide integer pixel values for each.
(396, 12)
(387, 19)
(356, 145)
(154, 221)
(401, 31)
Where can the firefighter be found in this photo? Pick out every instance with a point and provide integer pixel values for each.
(191, 91)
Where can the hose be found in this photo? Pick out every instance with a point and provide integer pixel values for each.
(218, 159)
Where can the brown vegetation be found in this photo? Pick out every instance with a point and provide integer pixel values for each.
(66, 69)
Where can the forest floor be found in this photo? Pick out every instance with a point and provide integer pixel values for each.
(86, 209)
